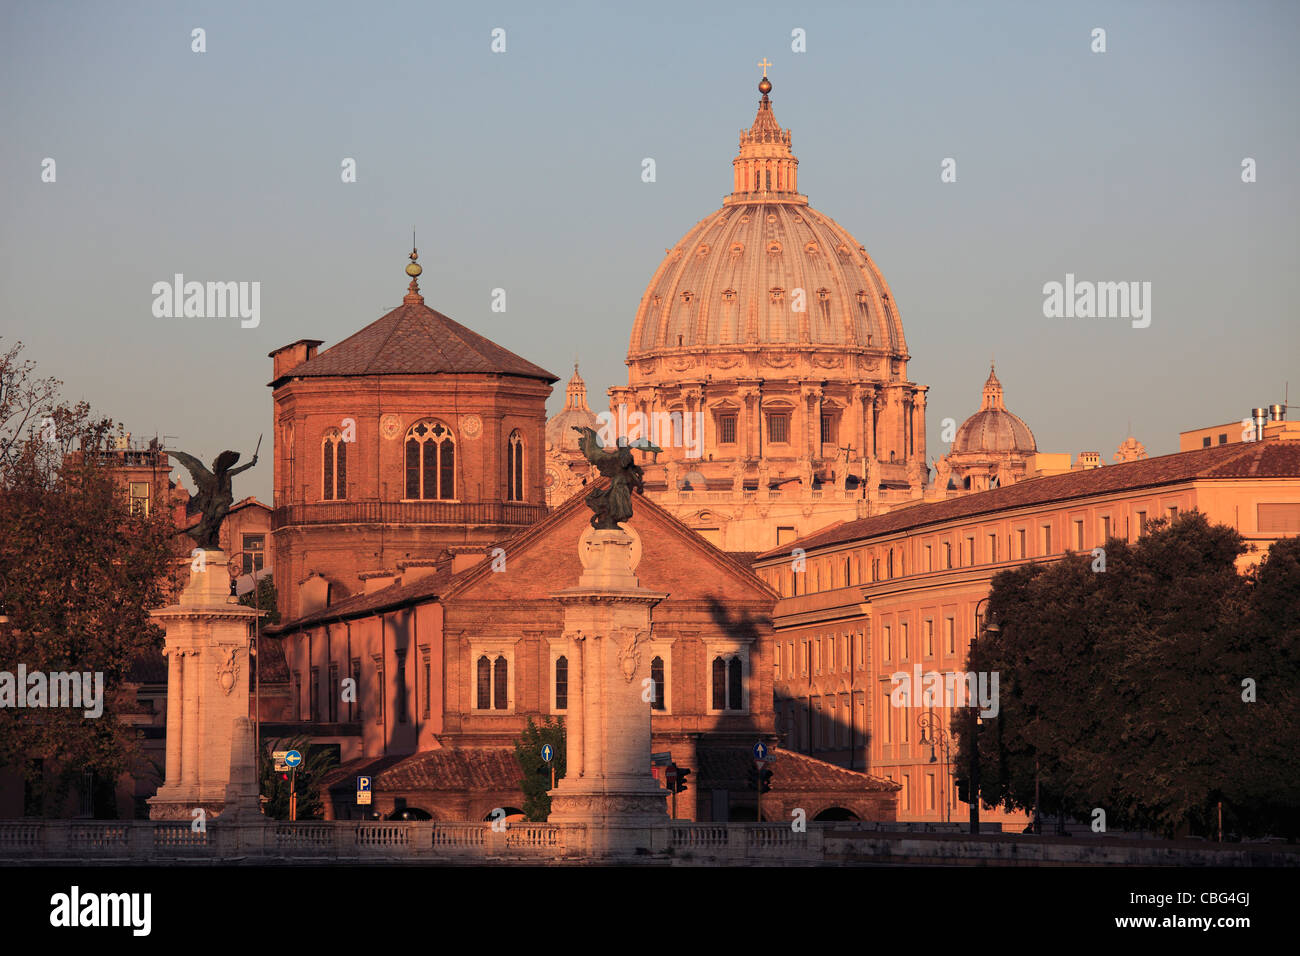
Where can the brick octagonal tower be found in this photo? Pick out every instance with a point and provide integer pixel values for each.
(411, 441)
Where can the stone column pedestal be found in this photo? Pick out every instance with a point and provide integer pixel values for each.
(608, 785)
(207, 691)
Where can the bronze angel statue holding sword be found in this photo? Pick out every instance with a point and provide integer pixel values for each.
(215, 496)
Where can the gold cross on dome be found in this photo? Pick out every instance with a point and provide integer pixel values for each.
(764, 64)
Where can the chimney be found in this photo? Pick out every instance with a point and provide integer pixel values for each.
(289, 357)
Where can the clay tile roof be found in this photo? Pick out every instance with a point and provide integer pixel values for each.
(1277, 458)
(473, 768)
(359, 605)
(791, 772)
(413, 339)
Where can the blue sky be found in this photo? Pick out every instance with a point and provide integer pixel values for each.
(521, 171)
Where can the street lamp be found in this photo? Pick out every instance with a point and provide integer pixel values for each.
(974, 785)
(930, 722)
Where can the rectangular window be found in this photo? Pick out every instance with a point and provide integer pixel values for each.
(354, 705)
(888, 643)
(807, 657)
(1023, 543)
(726, 429)
(929, 638)
(970, 551)
(562, 683)
(947, 554)
(428, 680)
(785, 536)
(139, 498)
(1142, 523)
(929, 563)
(401, 685)
(929, 783)
(313, 693)
(950, 634)
(1047, 539)
(858, 645)
(333, 707)
(1173, 512)
(819, 658)
(1205, 442)
(1223, 439)
(903, 650)
(778, 428)
(993, 549)
(1105, 528)
(1078, 535)
(828, 429)
(254, 552)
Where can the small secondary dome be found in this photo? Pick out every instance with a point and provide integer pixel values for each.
(993, 428)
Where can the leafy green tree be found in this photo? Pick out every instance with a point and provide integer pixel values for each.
(317, 761)
(1122, 690)
(537, 772)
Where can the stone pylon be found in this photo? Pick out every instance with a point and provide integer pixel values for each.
(608, 784)
(207, 689)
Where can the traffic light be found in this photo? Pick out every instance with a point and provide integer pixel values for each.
(760, 780)
(680, 785)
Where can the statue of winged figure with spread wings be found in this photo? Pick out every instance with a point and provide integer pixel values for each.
(214, 497)
(612, 505)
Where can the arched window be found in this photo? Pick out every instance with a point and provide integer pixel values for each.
(334, 466)
(500, 683)
(515, 467)
(657, 676)
(484, 683)
(562, 683)
(728, 683)
(430, 462)
(734, 681)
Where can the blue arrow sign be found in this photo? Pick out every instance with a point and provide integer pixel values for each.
(760, 751)
(292, 758)
(547, 752)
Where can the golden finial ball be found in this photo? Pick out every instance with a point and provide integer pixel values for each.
(413, 270)
(765, 86)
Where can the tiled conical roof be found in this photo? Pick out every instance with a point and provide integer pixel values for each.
(413, 339)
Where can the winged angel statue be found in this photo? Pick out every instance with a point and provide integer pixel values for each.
(612, 505)
(214, 497)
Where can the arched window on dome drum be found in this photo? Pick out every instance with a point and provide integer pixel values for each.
(430, 462)
(334, 466)
(657, 677)
(484, 683)
(515, 467)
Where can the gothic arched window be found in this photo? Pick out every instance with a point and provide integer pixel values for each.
(430, 462)
(719, 684)
(515, 467)
(334, 466)
(657, 677)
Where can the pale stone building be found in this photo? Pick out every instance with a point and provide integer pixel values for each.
(772, 337)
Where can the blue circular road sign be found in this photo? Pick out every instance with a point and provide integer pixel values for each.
(547, 752)
(292, 758)
(760, 750)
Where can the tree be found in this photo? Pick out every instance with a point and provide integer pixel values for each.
(266, 600)
(537, 772)
(79, 573)
(317, 761)
(1122, 690)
